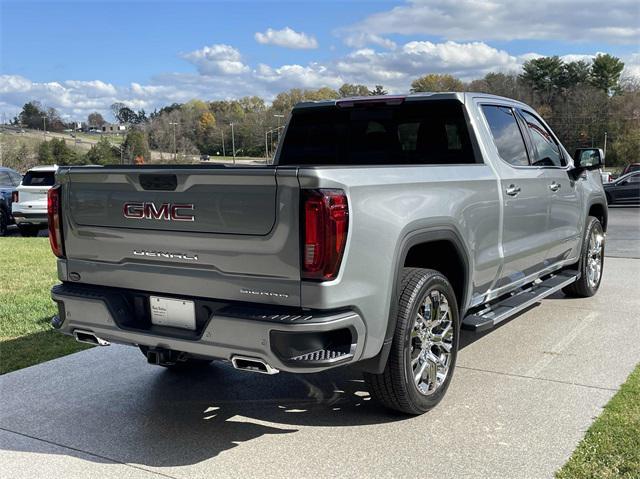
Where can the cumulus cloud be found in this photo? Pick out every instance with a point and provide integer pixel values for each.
(221, 74)
(217, 60)
(363, 39)
(614, 21)
(287, 38)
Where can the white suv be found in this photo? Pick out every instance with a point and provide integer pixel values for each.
(29, 207)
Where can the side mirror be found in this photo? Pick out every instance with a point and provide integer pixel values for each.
(588, 158)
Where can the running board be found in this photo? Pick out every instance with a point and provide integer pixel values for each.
(502, 309)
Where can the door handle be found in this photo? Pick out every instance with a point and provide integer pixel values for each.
(513, 190)
(554, 186)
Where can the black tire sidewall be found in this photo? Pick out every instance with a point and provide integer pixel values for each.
(436, 281)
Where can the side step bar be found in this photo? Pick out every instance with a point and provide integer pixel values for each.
(504, 308)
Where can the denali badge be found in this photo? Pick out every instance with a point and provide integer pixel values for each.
(163, 254)
(263, 293)
(149, 211)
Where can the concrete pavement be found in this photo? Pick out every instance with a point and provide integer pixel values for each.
(521, 399)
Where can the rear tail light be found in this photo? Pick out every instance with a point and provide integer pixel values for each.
(55, 221)
(15, 197)
(326, 222)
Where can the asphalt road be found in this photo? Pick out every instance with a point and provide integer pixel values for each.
(521, 399)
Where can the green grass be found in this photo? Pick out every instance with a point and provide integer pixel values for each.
(27, 273)
(611, 447)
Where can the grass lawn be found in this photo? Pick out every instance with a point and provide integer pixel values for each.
(27, 272)
(611, 447)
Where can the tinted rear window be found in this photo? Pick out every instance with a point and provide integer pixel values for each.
(39, 178)
(5, 179)
(429, 132)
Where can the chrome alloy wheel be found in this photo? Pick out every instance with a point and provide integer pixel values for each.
(431, 342)
(594, 257)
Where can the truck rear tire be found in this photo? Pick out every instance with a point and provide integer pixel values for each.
(591, 262)
(425, 344)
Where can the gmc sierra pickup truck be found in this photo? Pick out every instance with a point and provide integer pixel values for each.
(383, 227)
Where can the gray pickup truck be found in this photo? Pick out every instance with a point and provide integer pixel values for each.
(383, 227)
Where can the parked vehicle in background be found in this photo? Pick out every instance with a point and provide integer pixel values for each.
(29, 206)
(384, 225)
(630, 167)
(9, 181)
(624, 190)
(606, 176)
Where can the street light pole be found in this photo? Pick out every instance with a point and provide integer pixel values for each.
(233, 144)
(266, 146)
(175, 150)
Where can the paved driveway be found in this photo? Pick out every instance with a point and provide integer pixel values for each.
(522, 397)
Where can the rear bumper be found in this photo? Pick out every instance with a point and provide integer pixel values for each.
(285, 339)
(30, 217)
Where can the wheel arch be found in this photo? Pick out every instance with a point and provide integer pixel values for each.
(599, 210)
(451, 256)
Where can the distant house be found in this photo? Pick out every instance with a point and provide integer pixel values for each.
(114, 128)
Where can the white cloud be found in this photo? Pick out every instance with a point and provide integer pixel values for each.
(287, 38)
(217, 60)
(363, 39)
(218, 76)
(614, 21)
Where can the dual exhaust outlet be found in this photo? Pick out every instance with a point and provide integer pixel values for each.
(243, 363)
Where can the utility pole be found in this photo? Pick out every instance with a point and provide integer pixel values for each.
(233, 144)
(605, 149)
(44, 128)
(175, 150)
(266, 146)
(224, 155)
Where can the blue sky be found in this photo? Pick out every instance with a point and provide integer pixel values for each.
(82, 56)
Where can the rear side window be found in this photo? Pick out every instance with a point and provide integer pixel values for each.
(506, 134)
(546, 150)
(16, 178)
(39, 178)
(5, 180)
(429, 132)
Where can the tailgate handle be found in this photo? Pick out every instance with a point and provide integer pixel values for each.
(158, 182)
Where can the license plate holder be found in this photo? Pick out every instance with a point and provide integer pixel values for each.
(176, 313)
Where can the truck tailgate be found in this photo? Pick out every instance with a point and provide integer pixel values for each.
(224, 233)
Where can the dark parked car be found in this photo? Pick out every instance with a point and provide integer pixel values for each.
(9, 180)
(625, 189)
(630, 168)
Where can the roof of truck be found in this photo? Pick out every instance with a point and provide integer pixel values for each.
(391, 99)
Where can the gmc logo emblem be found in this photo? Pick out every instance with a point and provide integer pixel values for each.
(165, 211)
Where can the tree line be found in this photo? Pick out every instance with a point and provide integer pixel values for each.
(582, 101)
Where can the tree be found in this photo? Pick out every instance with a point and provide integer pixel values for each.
(103, 153)
(349, 89)
(378, 91)
(436, 82)
(544, 75)
(575, 74)
(136, 147)
(95, 120)
(123, 114)
(605, 73)
(56, 152)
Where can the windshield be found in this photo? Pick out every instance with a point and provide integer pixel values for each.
(428, 132)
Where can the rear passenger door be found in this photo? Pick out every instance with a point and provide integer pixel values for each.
(565, 220)
(525, 196)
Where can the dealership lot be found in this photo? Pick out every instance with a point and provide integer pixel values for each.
(522, 397)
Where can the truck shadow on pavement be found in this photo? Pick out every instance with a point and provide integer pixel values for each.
(160, 418)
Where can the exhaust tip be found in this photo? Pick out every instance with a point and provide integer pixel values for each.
(89, 338)
(254, 365)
